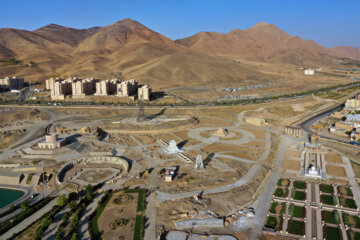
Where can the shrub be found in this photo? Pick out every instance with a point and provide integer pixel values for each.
(62, 200)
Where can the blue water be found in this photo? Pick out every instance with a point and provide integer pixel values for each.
(8, 196)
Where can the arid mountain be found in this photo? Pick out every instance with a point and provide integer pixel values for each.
(207, 58)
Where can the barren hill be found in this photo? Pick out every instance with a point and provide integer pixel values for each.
(207, 58)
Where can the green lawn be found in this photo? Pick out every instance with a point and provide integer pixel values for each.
(283, 182)
(326, 199)
(299, 195)
(300, 185)
(332, 233)
(280, 192)
(296, 227)
(271, 222)
(351, 220)
(345, 191)
(298, 212)
(326, 188)
(331, 217)
(276, 204)
(353, 235)
(347, 202)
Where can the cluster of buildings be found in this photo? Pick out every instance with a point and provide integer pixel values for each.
(348, 119)
(309, 71)
(78, 88)
(12, 83)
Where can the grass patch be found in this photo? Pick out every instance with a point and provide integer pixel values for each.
(141, 198)
(353, 235)
(283, 182)
(351, 220)
(299, 195)
(300, 185)
(327, 199)
(298, 212)
(139, 227)
(345, 191)
(331, 217)
(348, 202)
(331, 233)
(280, 192)
(296, 227)
(326, 188)
(275, 208)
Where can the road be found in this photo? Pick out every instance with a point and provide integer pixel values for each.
(264, 199)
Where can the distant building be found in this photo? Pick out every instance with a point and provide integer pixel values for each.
(81, 88)
(144, 92)
(127, 88)
(293, 131)
(59, 90)
(102, 88)
(353, 104)
(309, 71)
(49, 83)
(13, 83)
(51, 142)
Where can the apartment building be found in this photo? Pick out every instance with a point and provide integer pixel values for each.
(127, 88)
(353, 104)
(144, 92)
(60, 89)
(49, 83)
(102, 88)
(15, 83)
(82, 87)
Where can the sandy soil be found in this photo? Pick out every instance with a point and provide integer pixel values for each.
(293, 153)
(291, 165)
(335, 171)
(333, 157)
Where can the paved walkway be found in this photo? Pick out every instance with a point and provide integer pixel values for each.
(265, 198)
(51, 231)
(83, 231)
(30, 220)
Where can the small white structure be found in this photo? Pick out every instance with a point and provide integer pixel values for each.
(173, 148)
(199, 164)
(309, 71)
(51, 142)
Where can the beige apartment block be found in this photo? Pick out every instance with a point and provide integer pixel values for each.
(49, 83)
(102, 88)
(127, 88)
(81, 88)
(12, 83)
(144, 93)
(60, 89)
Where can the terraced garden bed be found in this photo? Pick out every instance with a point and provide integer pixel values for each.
(345, 191)
(297, 211)
(351, 220)
(283, 182)
(300, 185)
(299, 195)
(331, 217)
(278, 208)
(326, 188)
(331, 233)
(327, 199)
(281, 192)
(347, 202)
(274, 223)
(296, 227)
(353, 235)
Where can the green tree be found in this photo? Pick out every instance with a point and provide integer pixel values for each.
(24, 205)
(73, 205)
(62, 200)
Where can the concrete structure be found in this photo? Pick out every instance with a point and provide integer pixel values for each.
(221, 132)
(353, 104)
(144, 93)
(293, 131)
(126, 88)
(51, 142)
(347, 126)
(309, 71)
(173, 148)
(170, 173)
(13, 83)
(102, 88)
(255, 121)
(59, 89)
(81, 88)
(199, 164)
(49, 83)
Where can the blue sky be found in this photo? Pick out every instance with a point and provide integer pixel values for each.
(331, 23)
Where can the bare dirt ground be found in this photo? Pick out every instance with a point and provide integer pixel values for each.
(335, 171)
(293, 153)
(113, 212)
(291, 165)
(333, 158)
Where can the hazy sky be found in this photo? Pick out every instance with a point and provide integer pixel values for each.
(331, 23)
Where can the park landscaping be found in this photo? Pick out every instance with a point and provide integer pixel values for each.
(326, 188)
(296, 227)
(300, 185)
(299, 195)
(331, 233)
(347, 202)
(283, 182)
(345, 191)
(353, 235)
(281, 192)
(331, 217)
(296, 211)
(327, 199)
(278, 208)
(274, 223)
(351, 220)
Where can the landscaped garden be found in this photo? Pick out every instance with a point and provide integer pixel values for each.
(278, 208)
(332, 217)
(326, 188)
(296, 227)
(351, 220)
(274, 223)
(332, 233)
(281, 192)
(345, 191)
(283, 182)
(353, 235)
(300, 185)
(297, 211)
(299, 195)
(347, 202)
(327, 199)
